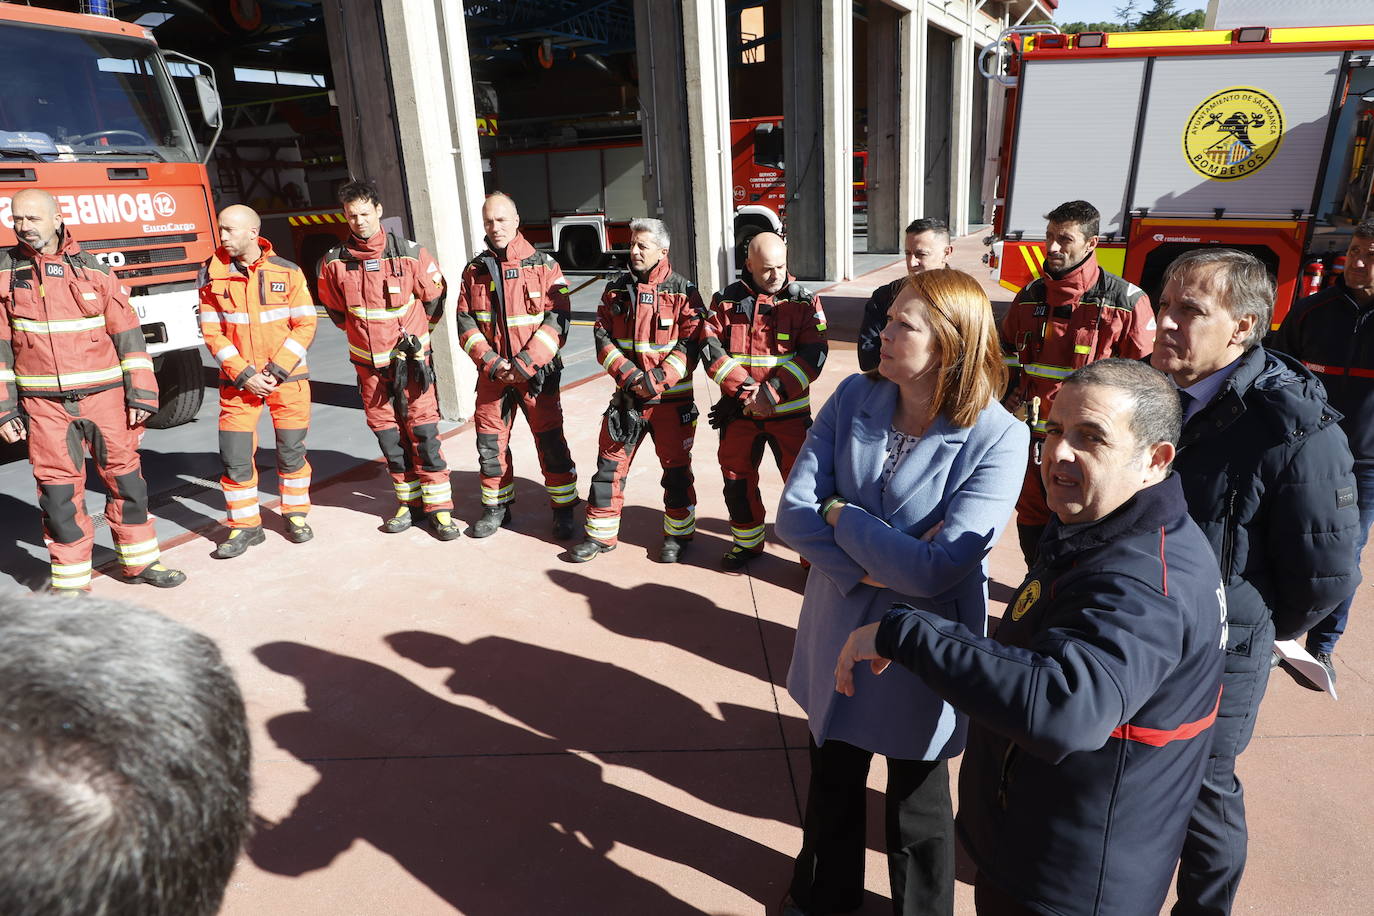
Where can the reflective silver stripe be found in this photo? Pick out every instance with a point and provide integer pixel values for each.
(224, 353)
(303, 311)
(521, 321)
(294, 347)
(234, 318)
(136, 362)
(280, 314)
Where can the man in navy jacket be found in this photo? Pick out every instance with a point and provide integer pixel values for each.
(1089, 711)
(1267, 474)
(1332, 333)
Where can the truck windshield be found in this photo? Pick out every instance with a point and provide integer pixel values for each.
(83, 95)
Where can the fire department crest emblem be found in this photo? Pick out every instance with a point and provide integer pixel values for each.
(1029, 595)
(1233, 134)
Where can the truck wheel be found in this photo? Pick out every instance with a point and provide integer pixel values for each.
(181, 384)
(578, 249)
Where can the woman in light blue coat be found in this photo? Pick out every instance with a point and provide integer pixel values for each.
(906, 480)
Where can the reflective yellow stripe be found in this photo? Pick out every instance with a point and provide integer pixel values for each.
(793, 406)
(728, 367)
(58, 325)
(69, 380)
(136, 362)
(799, 375)
(1040, 370)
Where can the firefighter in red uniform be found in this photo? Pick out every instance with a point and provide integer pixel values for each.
(73, 364)
(648, 330)
(387, 294)
(513, 314)
(1077, 313)
(258, 320)
(764, 345)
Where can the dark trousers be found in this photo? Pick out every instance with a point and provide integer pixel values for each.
(1214, 850)
(1323, 635)
(991, 900)
(829, 874)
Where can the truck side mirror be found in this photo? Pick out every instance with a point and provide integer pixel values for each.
(209, 100)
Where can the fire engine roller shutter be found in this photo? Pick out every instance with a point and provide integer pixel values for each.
(1301, 84)
(1077, 123)
(525, 178)
(576, 182)
(624, 182)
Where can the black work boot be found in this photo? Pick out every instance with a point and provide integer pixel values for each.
(673, 548)
(159, 576)
(240, 539)
(443, 525)
(493, 517)
(563, 525)
(399, 522)
(298, 530)
(588, 550)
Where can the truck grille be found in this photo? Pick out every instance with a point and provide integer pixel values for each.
(155, 271)
(142, 241)
(167, 251)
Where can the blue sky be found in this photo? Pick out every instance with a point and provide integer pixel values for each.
(1105, 10)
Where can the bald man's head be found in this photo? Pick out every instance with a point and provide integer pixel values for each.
(500, 220)
(238, 232)
(36, 220)
(767, 262)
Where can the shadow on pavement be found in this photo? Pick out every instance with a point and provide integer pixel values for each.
(733, 638)
(657, 730)
(493, 818)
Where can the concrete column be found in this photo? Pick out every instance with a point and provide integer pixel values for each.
(405, 102)
(894, 89)
(885, 68)
(912, 114)
(684, 96)
(817, 45)
(962, 138)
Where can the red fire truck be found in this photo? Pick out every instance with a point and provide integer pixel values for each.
(579, 200)
(1249, 138)
(90, 113)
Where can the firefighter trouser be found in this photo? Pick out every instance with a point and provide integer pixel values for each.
(239, 410)
(60, 432)
(1031, 508)
(742, 443)
(495, 414)
(672, 424)
(413, 456)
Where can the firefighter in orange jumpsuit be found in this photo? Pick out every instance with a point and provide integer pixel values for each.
(75, 375)
(1075, 314)
(648, 330)
(512, 315)
(765, 344)
(387, 294)
(258, 320)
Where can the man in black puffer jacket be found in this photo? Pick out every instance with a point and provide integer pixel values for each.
(1333, 334)
(1268, 477)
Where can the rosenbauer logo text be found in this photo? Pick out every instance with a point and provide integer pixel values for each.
(93, 209)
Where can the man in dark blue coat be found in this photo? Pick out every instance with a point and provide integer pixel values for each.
(1332, 333)
(1267, 474)
(1089, 712)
